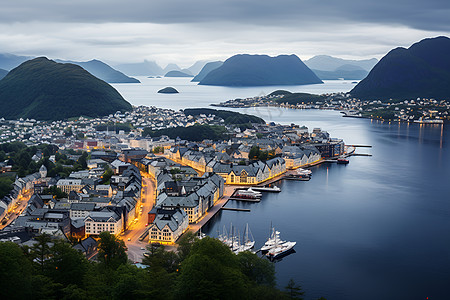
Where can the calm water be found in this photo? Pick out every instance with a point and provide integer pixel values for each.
(377, 228)
(193, 95)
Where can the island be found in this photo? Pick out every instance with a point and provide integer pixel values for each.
(177, 74)
(168, 90)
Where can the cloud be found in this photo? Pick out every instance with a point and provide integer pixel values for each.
(185, 31)
(425, 15)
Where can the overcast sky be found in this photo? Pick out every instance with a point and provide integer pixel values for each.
(183, 31)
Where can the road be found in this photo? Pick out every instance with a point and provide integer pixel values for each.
(131, 236)
(21, 205)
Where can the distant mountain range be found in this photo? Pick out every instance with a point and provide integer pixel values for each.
(177, 74)
(261, 70)
(46, 90)
(95, 67)
(10, 61)
(3, 73)
(103, 71)
(145, 68)
(330, 63)
(422, 70)
(206, 69)
(332, 68)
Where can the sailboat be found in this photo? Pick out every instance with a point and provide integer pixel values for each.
(248, 241)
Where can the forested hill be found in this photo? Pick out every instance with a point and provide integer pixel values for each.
(230, 117)
(45, 90)
(422, 70)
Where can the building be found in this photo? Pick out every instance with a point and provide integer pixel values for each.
(166, 225)
(69, 184)
(99, 221)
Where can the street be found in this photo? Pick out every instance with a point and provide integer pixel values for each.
(131, 236)
(20, 206)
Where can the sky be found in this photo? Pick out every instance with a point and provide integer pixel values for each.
(184, 31)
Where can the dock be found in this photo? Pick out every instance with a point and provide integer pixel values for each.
(245, 200)
(236, 209)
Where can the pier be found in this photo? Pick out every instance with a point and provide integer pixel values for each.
(236, 209)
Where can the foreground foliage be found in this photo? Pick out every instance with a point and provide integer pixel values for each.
(201, 269)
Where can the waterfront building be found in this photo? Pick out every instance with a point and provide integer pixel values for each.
(166, 225)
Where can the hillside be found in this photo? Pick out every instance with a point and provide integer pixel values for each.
(3, 73)
(330, 63)
(422, 70)
(296, 98)
(45, 90)
(229, 117)
(103, 71)
(177, 74)
(261, 70)
(145, 68)
(206, 69)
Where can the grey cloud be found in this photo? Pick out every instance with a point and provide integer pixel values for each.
(425, 15)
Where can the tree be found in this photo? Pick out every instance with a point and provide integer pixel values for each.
(185, 245)
(15, 272)
(211, 264)
(41, 251)
(293, 290)
(106, 177)
(253, 153)
(260, 271)
(55, 191)
(67, 265)
(111, 250)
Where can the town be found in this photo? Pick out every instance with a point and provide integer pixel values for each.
(87, 176)
(418, 110)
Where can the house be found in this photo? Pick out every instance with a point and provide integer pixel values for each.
(70, 184)
(81, 210)
(88, 247)
(99, 221)
(166, 225)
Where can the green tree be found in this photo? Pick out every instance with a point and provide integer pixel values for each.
(185, 245)
(253, 153)
(67, 265)
(41, 251)
(106, 177)
(55, 191)
(211, 264)
(260, 271)
(15, 272)
(111, 250)
(293, 290)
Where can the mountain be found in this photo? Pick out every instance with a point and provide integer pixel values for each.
(330, 63)
(422, 70)
(261, 70)
(103, 71)
(3, 73)
(146, 68)
(46, 90)
(348, 72)
(171, 67)
(10, 61)
(197, 67)
(177, 74)
(206, 69)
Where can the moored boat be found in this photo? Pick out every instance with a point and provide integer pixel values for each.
(273, 189)
(342, 161)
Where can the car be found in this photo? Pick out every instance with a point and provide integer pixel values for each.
(146, 225)
(129, 239)
(142, 248)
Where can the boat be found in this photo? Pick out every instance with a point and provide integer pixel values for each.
(342, 161)
(273, 189)
(281, 250)
(303, 171)
(249, 241)
(201, 235)
(301, 177)
(247, 194)
(272, 241)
